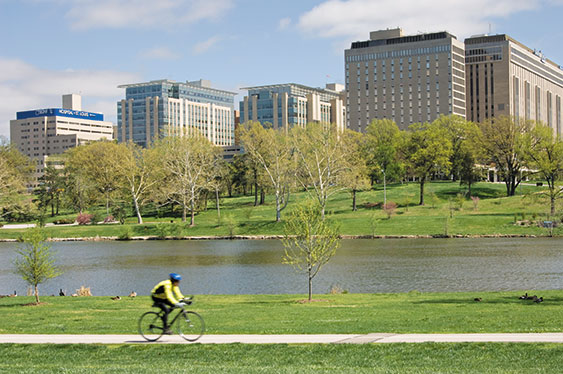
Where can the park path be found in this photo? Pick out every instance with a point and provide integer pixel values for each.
(287, 339)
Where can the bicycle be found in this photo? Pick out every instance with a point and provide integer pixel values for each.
(190, 325)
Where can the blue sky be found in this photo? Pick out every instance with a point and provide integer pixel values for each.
(52, 47)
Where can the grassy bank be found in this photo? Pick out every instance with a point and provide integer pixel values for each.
(395, 358)
(412, 312)
(443, 214)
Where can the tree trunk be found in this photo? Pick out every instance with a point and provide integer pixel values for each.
(354, 201)
(310, 286)
(52, 208)
(552, 203)
(217, 202)
(137, 211)
(192, 218)
(36, 294)
(262, 196)
(422, 180)
(384, 190)
(278, 210)
(184, 209)
(255, 194)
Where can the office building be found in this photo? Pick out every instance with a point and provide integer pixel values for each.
(44, 132)
(288, 105)
(163, 107)
(406, 79)
(504, 77)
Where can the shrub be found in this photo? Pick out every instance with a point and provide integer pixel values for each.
(126, 233)
(83, 291)
(109, 219)
(96, 217)
(84, 218)
(389, 208)
(460, 199)
(64, 221)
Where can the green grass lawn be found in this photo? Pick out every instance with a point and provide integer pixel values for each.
(442, 214)
(412, 312)
(312, 358)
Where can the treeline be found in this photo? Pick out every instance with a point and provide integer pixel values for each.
(185, 172)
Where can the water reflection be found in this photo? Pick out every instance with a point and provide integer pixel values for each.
(230, 267)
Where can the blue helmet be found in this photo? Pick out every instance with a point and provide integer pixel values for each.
(175, 277)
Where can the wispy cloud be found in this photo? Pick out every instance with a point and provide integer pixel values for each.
(355, 18)
(159, 53)
(96, 14)
(284, 23)
(24, 86)
(206, 45)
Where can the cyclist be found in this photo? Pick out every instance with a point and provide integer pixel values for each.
(163, 296)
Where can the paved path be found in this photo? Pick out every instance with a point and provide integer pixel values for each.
(288, 339)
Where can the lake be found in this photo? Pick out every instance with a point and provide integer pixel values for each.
(255, 267)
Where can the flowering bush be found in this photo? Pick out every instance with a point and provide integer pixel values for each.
(84, 218)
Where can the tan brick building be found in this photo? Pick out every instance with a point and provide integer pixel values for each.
(406, 79)
(504, 77)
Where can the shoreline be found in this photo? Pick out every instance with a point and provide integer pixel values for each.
(278, 237)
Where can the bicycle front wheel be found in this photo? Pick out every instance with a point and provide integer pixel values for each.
(190, 326)
(151, 326)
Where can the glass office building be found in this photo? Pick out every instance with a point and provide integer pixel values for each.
(164, 107)
(289, 105)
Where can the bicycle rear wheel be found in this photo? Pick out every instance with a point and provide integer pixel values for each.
(151, 326)
(190, 326)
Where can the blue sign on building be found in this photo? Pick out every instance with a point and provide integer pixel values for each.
(60, 112)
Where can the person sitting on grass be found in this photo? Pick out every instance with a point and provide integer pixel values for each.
(163, 296)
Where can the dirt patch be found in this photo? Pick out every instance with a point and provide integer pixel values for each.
(35, 304)
(312, 301)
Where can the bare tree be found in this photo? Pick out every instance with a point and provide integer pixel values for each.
(322, 160)
(35, 264)
(309, 241)
(189, 162)
(271, 150)
(141, 170)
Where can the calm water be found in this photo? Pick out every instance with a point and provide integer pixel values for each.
(254, 267)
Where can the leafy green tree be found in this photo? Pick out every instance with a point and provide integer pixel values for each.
(15, 173)
(271, 151)
(501, 140)
(95, 167)
(35, 263)
(381, 149)
(428, 151)
(544, 152)
(356, 177)
(460, 133)
(309, 241)
(51, 186)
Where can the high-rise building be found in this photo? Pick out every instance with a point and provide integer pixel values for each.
(163, 107)
(406, 79)
(504, 77)
(43, 132)
(288, 105)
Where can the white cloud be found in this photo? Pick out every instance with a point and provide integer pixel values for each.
(204, 46)
(91, 14)
(284, 23)
(26, 87)
(159, 53)
(356, 18)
